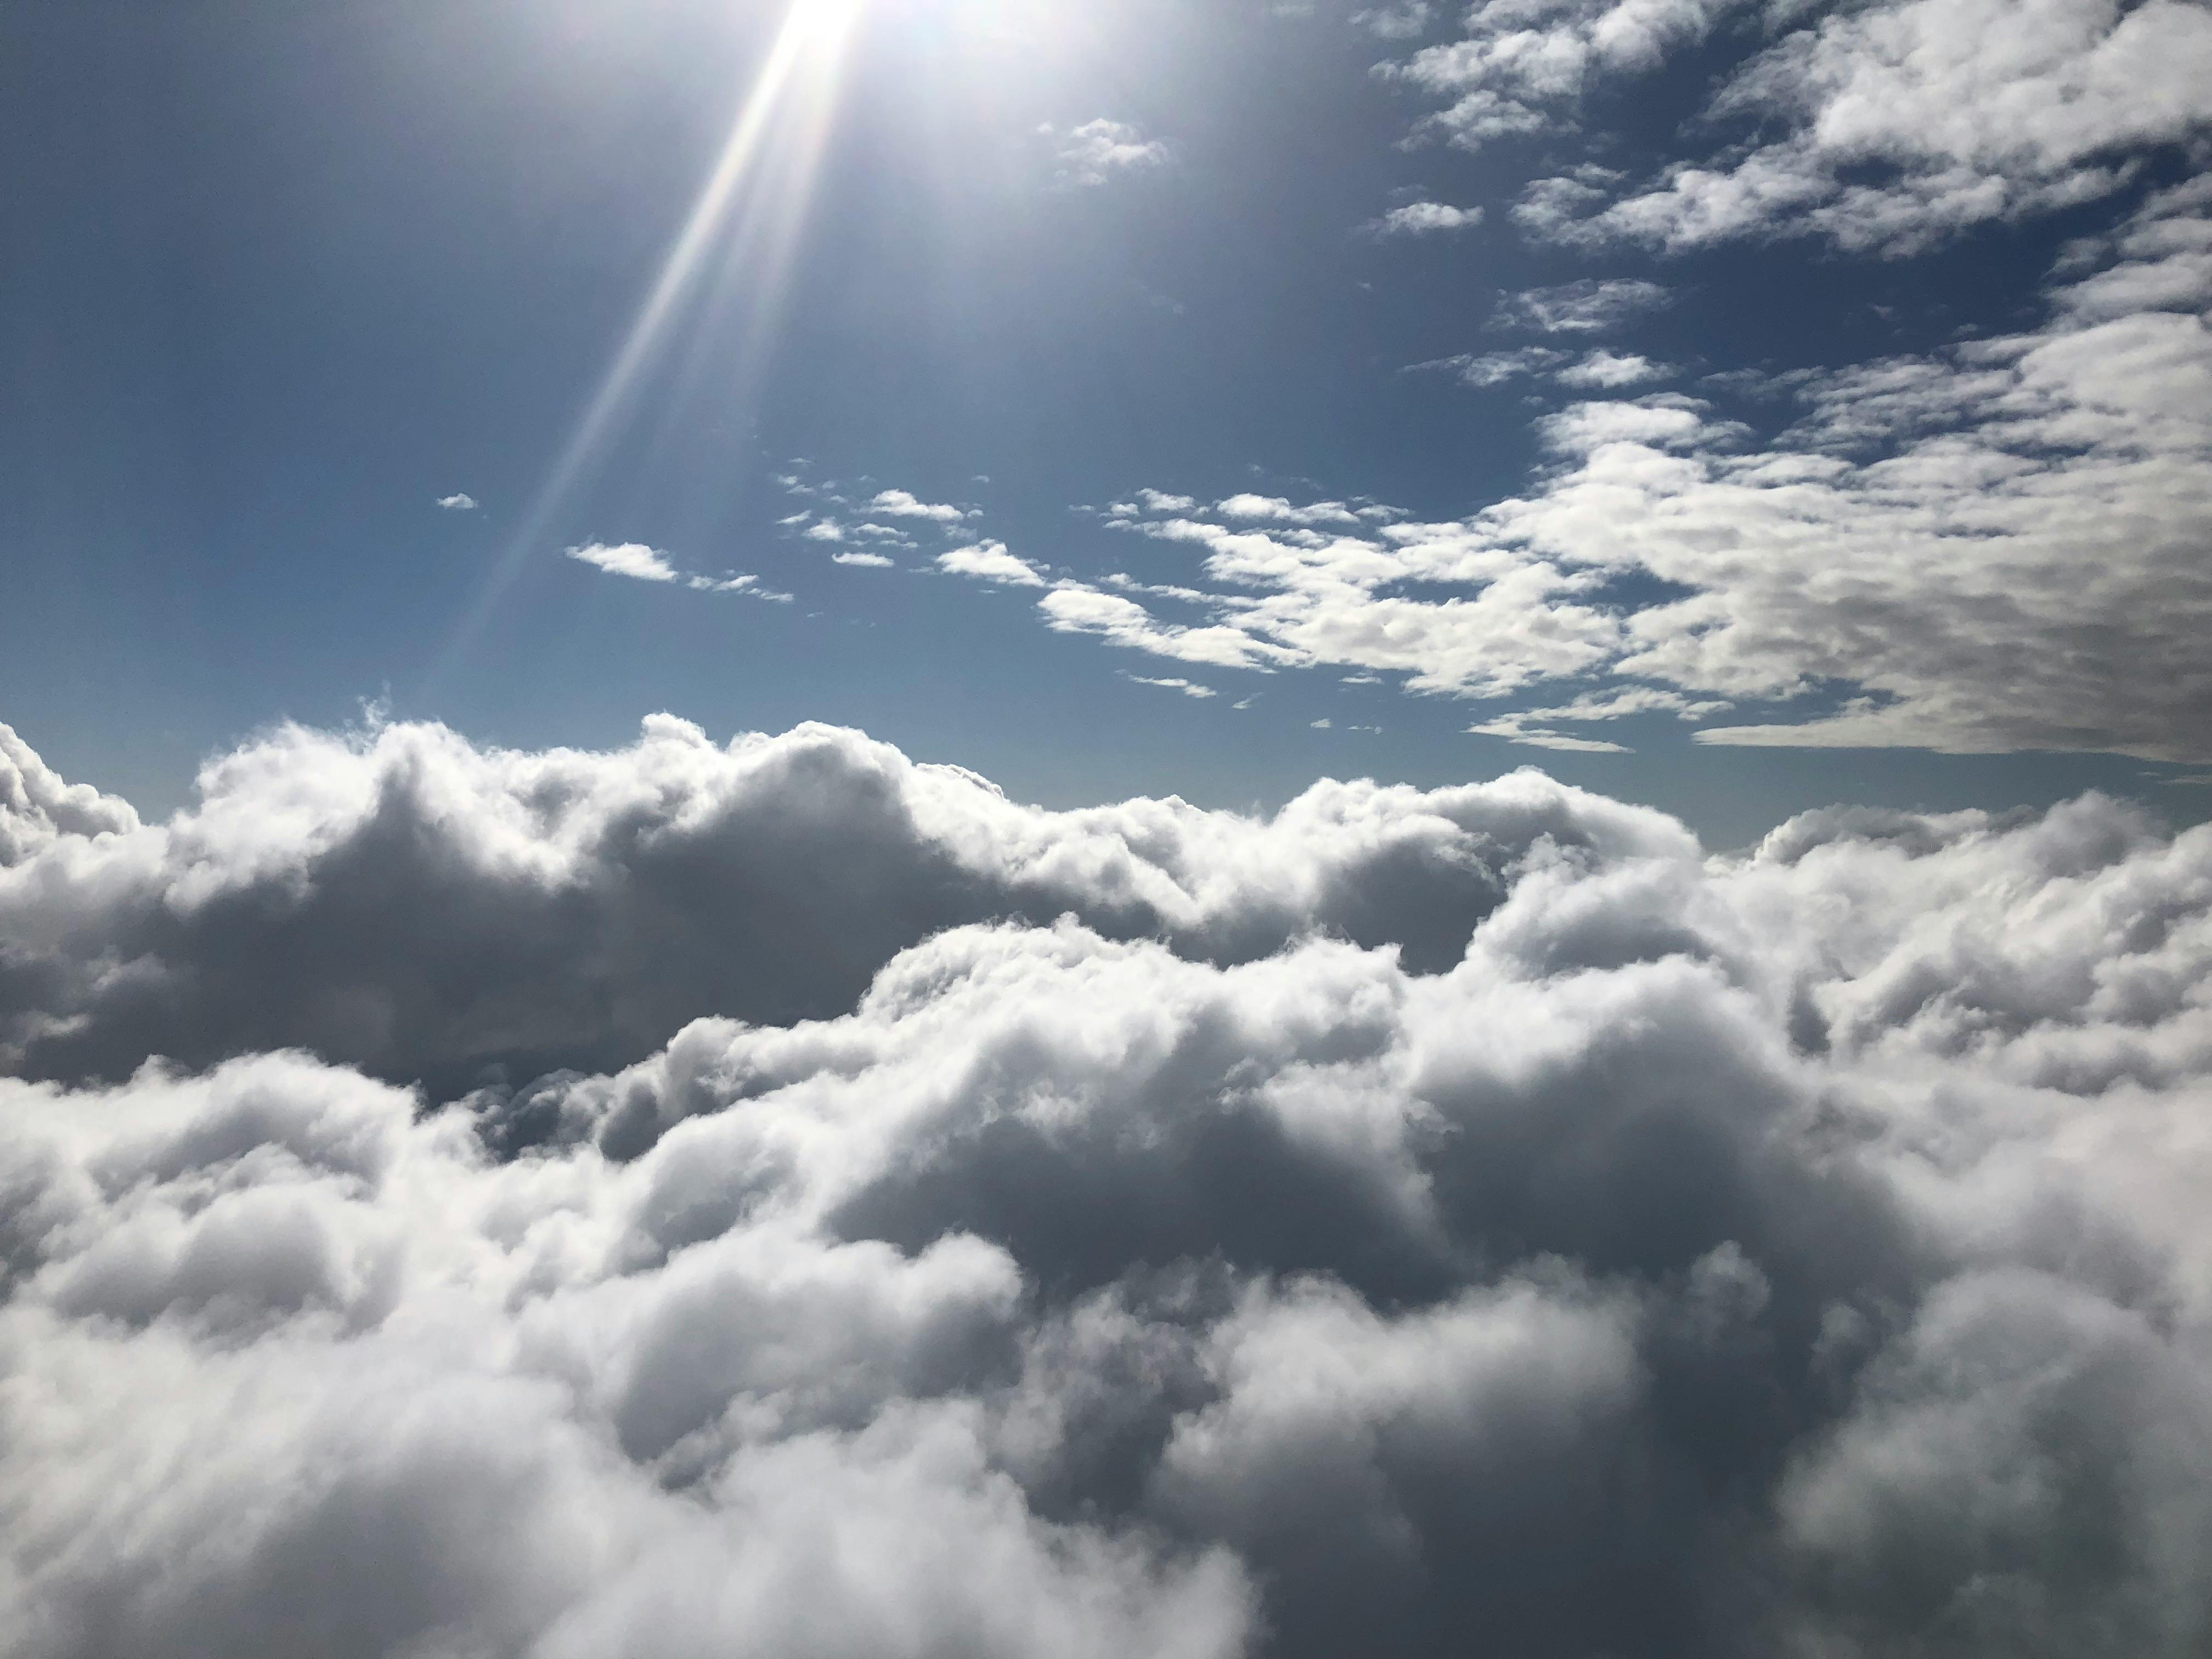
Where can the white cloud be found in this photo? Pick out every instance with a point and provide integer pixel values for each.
(1990, 548)
(1491, 368)
(1188, 688)
(1522, 66)
(1584, 306)
(1484, 1175)
(633, 559)
(990, 562)
(1101, 150)
(1886, 125)
(1275, 509)
(457, 502)
(877, 561)
(900, 504)
(1320, 725)
(1608, 371)
(824, 530)
(1426, 219)
(1408, 21)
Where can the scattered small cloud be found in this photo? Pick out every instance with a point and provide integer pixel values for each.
(1189, 688)
(632, 559)
(1097, 151)
(1275, 509)
(900, 504)
(824, 530)
(457, 502)
(1491, 368)
(1408, 21)
(1322, 725)
(1609, 371)
(990, 562)
(1588, 306)
(1426, 219)
(873, 561)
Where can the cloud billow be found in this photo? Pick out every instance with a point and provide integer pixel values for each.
(1791, 1252)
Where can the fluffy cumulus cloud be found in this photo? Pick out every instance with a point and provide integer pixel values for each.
(1885, 125)
(1415, 1214)
(632, 559)
(990, 562)
(1100, 151)
(1522, 66)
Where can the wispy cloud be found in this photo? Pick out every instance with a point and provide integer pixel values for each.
(1426, 219)
(1586, 307)
(1189, 688)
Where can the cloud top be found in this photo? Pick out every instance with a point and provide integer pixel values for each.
(1798, 1252)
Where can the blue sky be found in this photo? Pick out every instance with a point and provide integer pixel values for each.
(1127, 397)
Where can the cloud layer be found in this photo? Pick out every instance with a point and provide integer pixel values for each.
(1800, 1254)
(1993, 546)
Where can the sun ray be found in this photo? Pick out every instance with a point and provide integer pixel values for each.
(751, 206)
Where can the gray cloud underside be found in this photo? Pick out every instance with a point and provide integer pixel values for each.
(1799, 1254)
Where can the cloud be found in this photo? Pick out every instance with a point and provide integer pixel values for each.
(1607, 371)
(399, 900)
(1426, 219)
(1322, 724)
(1522, 66)
(1188, 688)
(1101, 150)
(898, 504)
(1495, 368)
(1584, 306)
(1885, 127)
(1537, 728)
(990, 562)
(1795, 1252)
(824, 530)
(633, 559)
(1405, 21)
(457, 503)
(873, 561)
(38, 805)
(1988, 548)
(1274, 509)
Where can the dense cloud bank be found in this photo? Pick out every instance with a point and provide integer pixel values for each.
(1797, 1254)
(404, 901)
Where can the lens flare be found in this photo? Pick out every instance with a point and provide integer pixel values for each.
(749, 211)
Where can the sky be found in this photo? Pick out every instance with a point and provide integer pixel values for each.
(1737, 408)
(894, 829)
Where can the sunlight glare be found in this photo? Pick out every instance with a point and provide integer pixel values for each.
(750, 210)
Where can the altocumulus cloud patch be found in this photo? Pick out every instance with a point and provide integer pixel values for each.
(1414, 1220)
